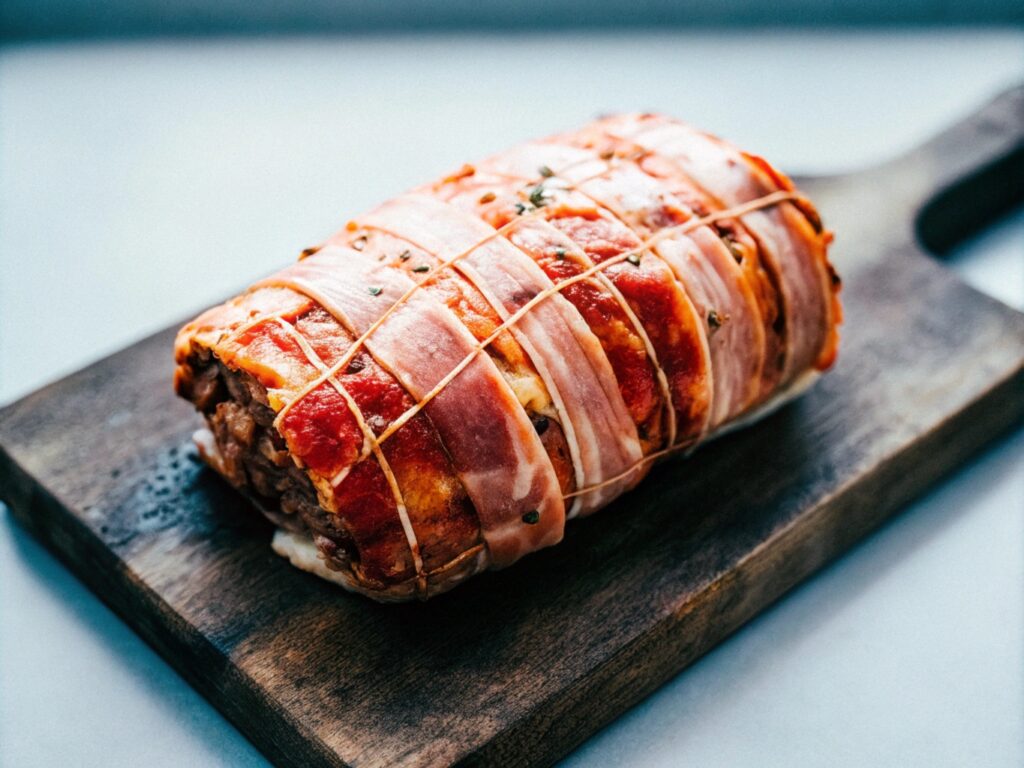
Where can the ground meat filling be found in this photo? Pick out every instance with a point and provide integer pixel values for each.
(255, 459)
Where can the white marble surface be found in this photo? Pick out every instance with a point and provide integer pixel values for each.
(128, 169)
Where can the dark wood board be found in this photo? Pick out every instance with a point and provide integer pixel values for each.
(518, 667)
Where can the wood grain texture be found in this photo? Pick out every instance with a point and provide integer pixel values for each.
(517, 667)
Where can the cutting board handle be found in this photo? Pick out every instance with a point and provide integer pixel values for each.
(967, 176)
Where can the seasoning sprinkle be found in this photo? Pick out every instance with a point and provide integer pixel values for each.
(532, 517)
(375, 290)
(404, 255)
(487, 197)
(520, 209)
(421, 268)
(634, 259)
(546, 172)
(560, 253)
(537, 196)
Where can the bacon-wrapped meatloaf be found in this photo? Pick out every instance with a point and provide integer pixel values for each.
(441, 385)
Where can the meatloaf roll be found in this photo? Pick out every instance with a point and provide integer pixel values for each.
(438, 387)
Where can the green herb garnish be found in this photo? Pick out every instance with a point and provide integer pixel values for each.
(633, 259)
(532, 517)
(404, 255)
(537, 196)
(421, 268)
(560, 253)
(375, 290)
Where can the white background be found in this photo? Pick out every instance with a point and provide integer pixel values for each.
(142, 181)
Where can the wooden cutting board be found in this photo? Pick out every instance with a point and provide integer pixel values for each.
(518, 667)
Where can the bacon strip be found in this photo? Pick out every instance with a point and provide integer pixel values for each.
(570, 359)
(494, 447)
